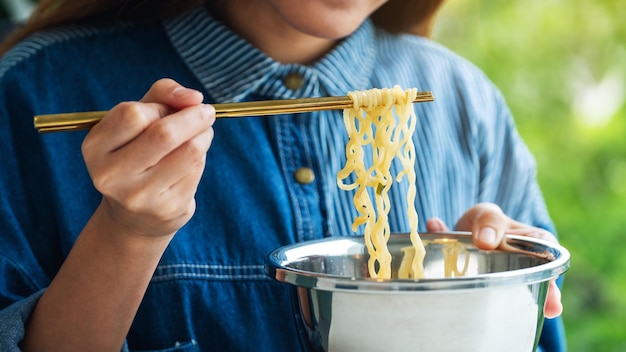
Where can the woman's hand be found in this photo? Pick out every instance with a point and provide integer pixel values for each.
(488, 224)
(147, 157)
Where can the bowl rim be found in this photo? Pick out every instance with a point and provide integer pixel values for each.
(558, 257)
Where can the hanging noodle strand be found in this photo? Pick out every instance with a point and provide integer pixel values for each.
(382, 122)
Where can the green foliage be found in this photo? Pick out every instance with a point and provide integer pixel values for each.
(562, 67)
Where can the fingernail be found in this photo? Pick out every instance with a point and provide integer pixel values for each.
(487, 235)
(180, 92)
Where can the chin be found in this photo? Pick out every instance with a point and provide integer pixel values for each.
(328, 28)
(330, 19)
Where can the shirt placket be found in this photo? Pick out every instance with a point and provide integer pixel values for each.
(298, 158)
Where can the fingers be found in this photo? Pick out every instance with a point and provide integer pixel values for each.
(525, 230)
(553, 307)
(167, 134)
(169, 92)
(436, 225)
(487, 223)
(153, 137)
(147, 157)
(184, 165)
(121, 124)
(127, 120)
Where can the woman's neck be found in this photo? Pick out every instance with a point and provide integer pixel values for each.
(266, 29)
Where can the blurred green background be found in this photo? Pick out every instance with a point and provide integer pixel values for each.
(562, 67)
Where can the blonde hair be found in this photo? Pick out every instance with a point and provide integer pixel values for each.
(410, 16)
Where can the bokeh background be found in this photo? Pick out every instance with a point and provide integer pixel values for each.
(561, 64)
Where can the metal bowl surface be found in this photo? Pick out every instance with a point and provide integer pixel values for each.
(497, 305)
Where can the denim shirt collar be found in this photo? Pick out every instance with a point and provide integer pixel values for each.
(207, 46)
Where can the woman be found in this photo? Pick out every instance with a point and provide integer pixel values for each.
(149, 232)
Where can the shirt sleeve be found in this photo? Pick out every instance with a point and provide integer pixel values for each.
(26, 216)
(508, 169)
(13, 320)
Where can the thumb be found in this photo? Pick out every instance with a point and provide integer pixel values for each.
(487, 222)
(553, 307)
(169, 92)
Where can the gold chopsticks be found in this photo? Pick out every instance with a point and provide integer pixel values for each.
(85, 120)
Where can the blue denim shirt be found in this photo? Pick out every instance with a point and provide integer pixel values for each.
(209, 291)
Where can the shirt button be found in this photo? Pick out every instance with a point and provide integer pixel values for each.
(293, 81)
(304, 175)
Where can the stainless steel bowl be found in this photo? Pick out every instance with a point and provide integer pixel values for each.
(496, 306)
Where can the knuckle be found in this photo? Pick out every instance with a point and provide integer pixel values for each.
(104, 182)
(126, 108)
(490, 217)
(174, 216)
(196, 150)
(162, 134)
(167, 212)
(131, 115)
(87, 147)
(100, 183)
(189, 210)
(489, 207)
(195, 153)
(197, 165)
(134, 202)
(489, 212)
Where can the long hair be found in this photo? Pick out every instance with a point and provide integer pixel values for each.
(410, 16)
